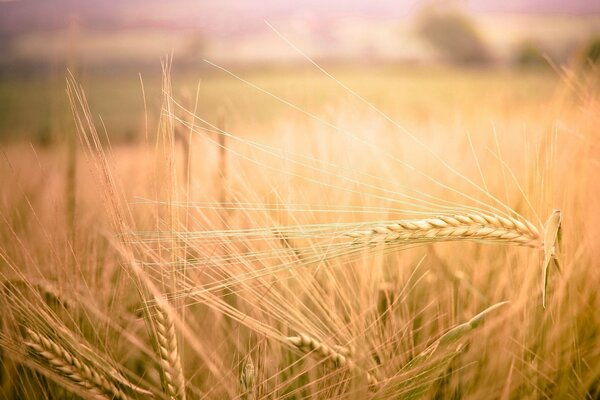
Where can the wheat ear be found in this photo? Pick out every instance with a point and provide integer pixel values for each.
(170, 361)
(336, 356)
(421, 376)
(247, 379)
(472, 226)
(455, 333)
(73, 369)
(552, 235)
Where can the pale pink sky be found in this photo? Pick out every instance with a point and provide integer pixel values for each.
(24, 15)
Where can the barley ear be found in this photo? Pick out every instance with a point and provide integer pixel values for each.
(552, 231)
(71, 367)
(336, 356)
(168, 352)
(461, 330)
(421, 380)
(454, 334)
(247, 379)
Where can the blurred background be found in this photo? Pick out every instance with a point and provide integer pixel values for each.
(382, 45)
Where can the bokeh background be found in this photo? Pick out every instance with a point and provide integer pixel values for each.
(380, 47)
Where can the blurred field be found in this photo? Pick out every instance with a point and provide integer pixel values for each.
(36, 108)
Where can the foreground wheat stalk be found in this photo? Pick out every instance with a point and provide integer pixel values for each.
(332, 240)
(70, 367)
(337, 356)
(168, 349)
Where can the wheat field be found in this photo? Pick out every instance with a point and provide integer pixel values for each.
(399, 234)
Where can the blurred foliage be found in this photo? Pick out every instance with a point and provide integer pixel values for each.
(529, 54)
(196, 47)
(591, 53)
(454, 35)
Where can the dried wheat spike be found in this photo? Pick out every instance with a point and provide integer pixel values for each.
(334, 356)
(170, 362)
(472, 226)
(73, 369)
(247, 379)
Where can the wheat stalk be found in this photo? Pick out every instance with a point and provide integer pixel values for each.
(336, 356)
(170, 361)
(72, 368)
(471, 226)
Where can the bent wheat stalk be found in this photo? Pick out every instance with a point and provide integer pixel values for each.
(472, 226)
(466, 226)
(330, 241)
(336, 356)
(72, 368)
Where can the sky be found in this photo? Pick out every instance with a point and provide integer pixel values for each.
(26, 15)
(135, 32)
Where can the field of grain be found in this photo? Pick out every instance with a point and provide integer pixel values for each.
(356, 232)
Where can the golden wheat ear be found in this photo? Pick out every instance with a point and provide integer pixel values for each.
(552, 230)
